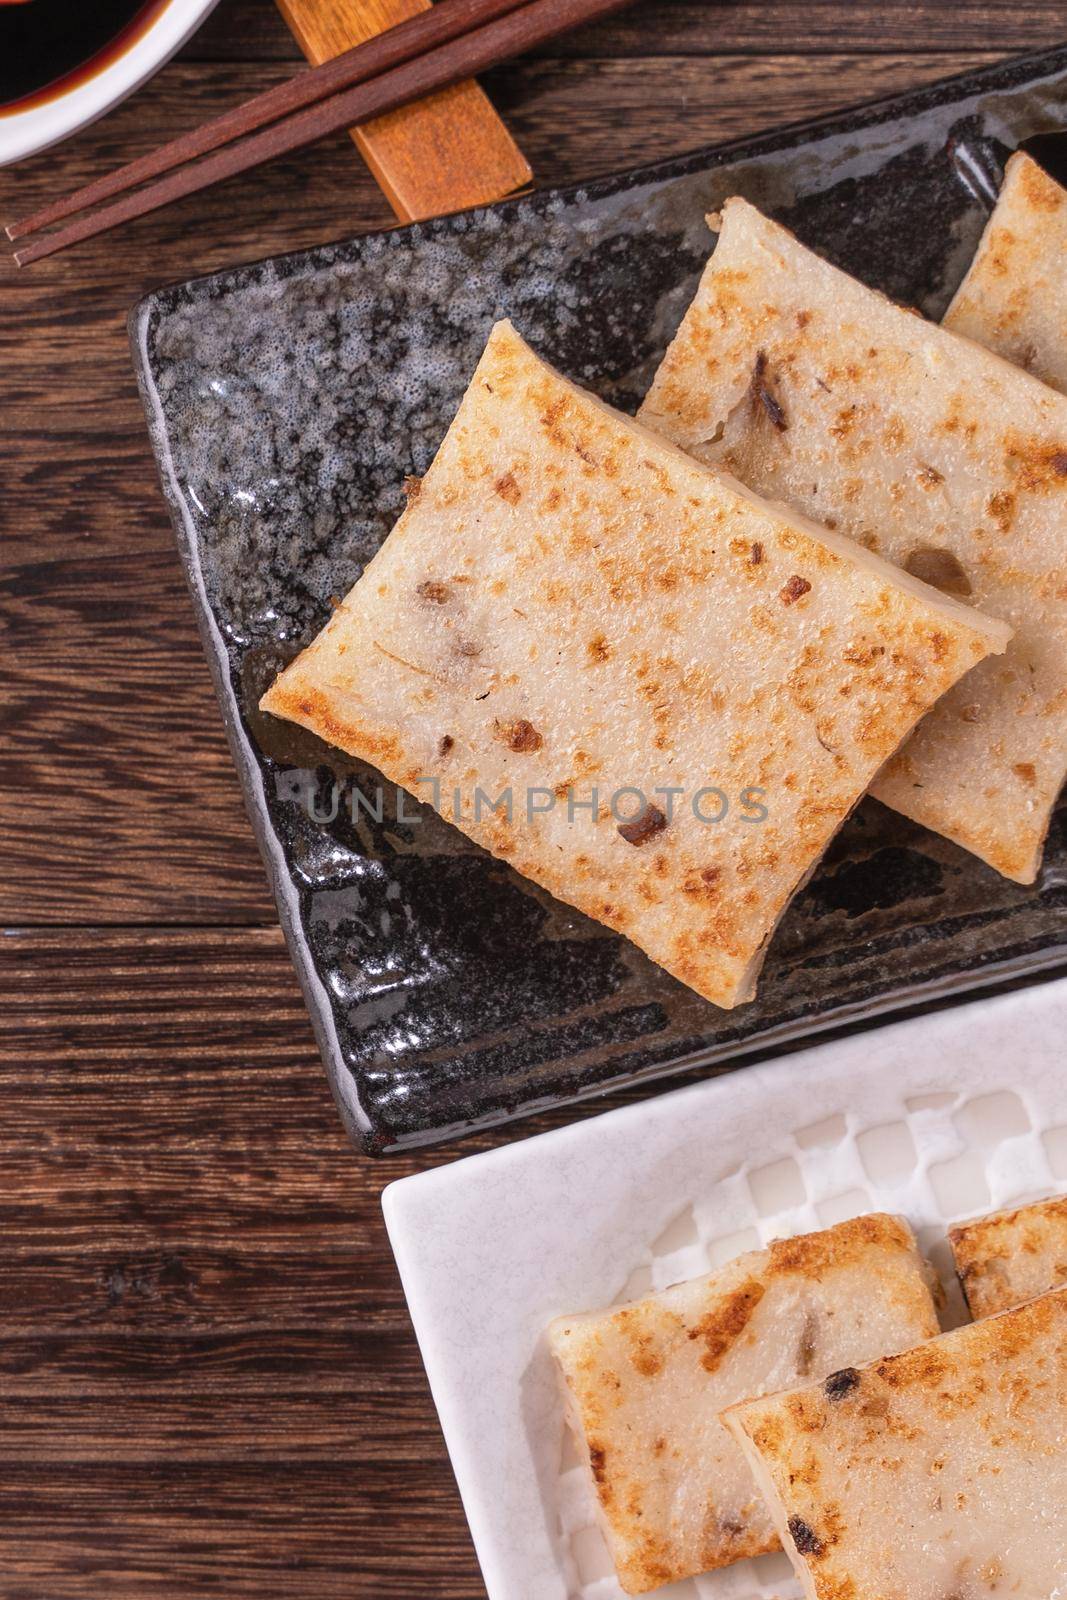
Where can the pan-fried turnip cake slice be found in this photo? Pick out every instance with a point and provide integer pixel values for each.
(919, 444)
(1014, 297)
(645, 1384)
(934, 1474)
(1011, 1256)
(650, 692)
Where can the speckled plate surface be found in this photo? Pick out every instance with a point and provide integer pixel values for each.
(286, 402)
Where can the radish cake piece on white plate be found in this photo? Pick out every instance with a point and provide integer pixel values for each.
(938, 1473)
(645, 1384)
(1011, 1256)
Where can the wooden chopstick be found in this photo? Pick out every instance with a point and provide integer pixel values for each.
(462, 55)
(447, 20)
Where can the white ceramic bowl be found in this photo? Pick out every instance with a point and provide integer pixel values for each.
(23, 132)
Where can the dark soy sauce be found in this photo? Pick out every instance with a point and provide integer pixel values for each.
(47, 46)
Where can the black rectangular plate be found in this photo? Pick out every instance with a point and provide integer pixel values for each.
(286, 402)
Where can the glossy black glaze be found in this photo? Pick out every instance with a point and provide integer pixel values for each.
(286, 402)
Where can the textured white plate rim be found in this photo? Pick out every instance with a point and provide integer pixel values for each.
(490, 1247)
(23, 133)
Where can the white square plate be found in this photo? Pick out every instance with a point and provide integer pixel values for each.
(940, 1117)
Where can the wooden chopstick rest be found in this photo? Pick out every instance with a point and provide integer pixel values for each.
(443, 153)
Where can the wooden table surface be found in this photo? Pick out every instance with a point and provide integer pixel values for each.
(208, 1384)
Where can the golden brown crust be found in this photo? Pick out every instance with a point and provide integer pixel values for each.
(891, 1458)
(726, 1322)
(1011, 1256)
(646, 1381)
(311, 707)
(848, 1242)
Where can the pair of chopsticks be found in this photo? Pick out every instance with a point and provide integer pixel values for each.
(452, 41)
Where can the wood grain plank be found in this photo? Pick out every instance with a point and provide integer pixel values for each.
(821, 27)
(114, 747)
(663, 106)
(346, 1427)
(444, 153)
(277, 1361)
(184, 1289)
(164, 1096)
(163, 1089)
(207, 1379)
(348, 1530)
(245, 29)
